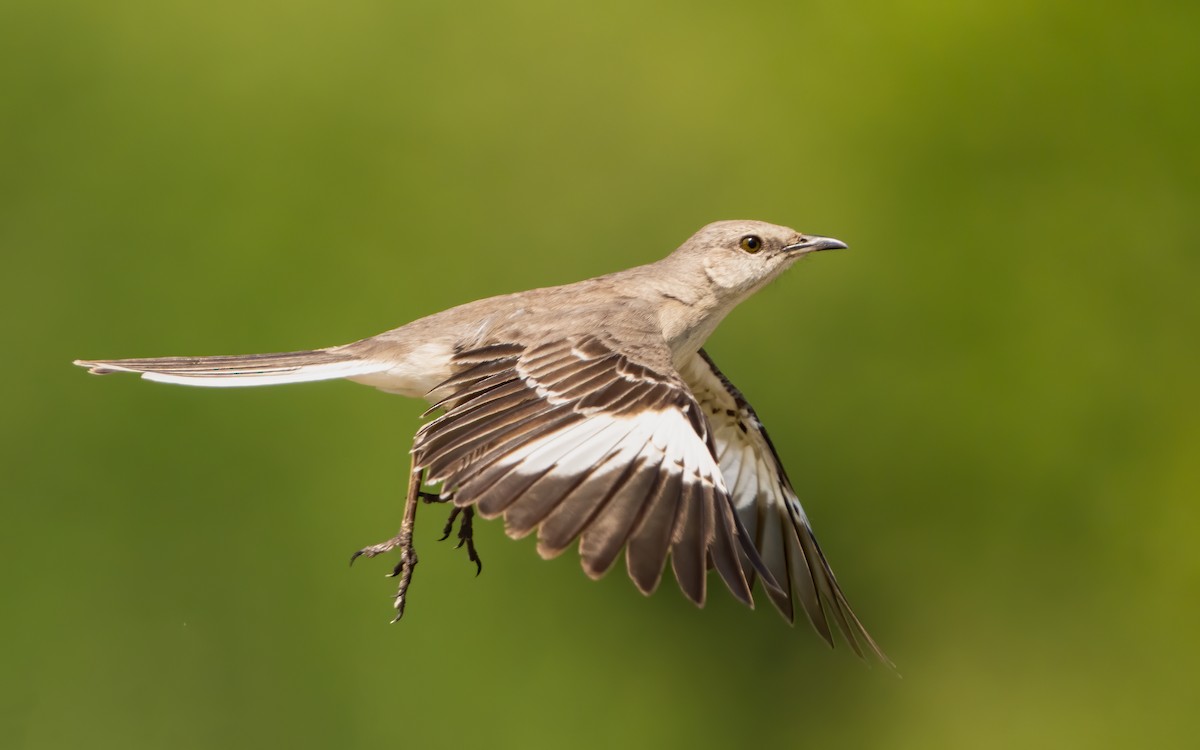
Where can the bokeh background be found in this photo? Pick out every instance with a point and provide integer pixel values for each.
(989, 404)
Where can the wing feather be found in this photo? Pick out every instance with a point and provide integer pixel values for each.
(725, 555)
(769, 510)
(566, 521)
(689, 553)
(567, 473)
(648, 546)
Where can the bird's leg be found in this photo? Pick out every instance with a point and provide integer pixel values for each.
(403, 540)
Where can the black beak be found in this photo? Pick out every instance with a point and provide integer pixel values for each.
(809, 244)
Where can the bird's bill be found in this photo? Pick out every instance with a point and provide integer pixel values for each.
(811, 244)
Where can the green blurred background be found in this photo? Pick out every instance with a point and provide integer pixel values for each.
(989, 404)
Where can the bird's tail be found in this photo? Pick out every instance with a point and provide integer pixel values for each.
(242, 370)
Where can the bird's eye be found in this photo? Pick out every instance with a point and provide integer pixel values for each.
(751, 243)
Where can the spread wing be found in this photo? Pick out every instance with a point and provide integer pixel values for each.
(594, 438)
(769, 508)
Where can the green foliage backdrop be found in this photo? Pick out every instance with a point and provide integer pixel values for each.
(989, 403)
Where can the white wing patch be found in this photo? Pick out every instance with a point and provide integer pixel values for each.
(603, 443)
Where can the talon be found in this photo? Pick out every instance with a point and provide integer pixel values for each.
(473, 556)
(408, 561)
(450, 524)
(377, 549)
(466, 535)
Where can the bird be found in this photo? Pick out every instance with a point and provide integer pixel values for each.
(591, 413)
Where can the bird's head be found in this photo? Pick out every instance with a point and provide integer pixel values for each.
(740, 257)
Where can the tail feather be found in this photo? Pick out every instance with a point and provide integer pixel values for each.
(242, 370)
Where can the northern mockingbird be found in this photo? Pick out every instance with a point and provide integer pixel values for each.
(590, 411)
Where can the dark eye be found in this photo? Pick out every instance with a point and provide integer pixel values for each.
(751, 243)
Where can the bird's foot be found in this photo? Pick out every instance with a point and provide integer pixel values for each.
(465, 533)
(404, 568)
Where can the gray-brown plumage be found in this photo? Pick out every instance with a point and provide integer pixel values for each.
(590, 412)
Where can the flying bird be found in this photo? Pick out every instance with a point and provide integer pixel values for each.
(590, 411)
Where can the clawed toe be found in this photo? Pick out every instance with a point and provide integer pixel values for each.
(450, 523)
(404, 570)
(465, 533)
(377, 549)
